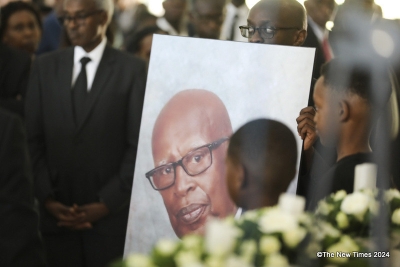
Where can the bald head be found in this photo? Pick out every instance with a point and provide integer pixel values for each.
(189, 145)
(291, 11)
(193, 110)
(279, 14)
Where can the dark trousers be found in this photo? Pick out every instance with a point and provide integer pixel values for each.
(83, 249)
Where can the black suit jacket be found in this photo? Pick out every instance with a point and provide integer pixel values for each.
(312, 41)
(94, 160)
(14, 74)
(20, 242)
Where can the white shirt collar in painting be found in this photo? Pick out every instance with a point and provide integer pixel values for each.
(95, 55)
(238, 213)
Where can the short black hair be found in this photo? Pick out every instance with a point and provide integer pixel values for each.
(353, 77)
(267, 150)
(193, 3)
(8, 10)
(133, 43)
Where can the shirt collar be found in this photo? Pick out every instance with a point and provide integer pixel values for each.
(319, 31)
(95, 55)
(242, 10)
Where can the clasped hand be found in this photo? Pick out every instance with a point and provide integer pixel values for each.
(76, 217)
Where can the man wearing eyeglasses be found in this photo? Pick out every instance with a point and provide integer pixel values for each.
(189, 143)
(83, 112)
(281, 22)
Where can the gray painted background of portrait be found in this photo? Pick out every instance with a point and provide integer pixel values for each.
(252, 80)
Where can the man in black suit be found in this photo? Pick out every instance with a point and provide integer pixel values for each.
(83, 112)
(319, 12)
(20, 242)
(14, 73)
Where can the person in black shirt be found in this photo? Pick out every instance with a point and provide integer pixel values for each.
(345, 112)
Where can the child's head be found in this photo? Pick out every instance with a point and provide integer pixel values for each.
(261, 163)
(344, 100)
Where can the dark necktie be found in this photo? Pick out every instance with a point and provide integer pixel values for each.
(233, 27)
(79, 92)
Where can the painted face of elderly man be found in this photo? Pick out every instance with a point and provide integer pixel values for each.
(189, 144)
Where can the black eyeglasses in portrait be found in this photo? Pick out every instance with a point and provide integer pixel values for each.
(79, 18)
(193, 163)
(265, 32)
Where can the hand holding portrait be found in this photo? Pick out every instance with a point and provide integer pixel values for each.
(306, 127)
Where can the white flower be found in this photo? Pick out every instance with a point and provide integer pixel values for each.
(250, 215)
(305, 219)
(293, 237)
(186, 258)
(392, 193)
(191, 242)
(339, 195)
(326, 229)
(336, 248)
(342, 220)
(396, 217)
(276, 220)
(324, 208)
(220, 238)
(374, 207)
(137, 260)
(356, 204)
(247, 250)
(215, 261)
(346, 244)
(276, 260)
(269, 245)
(372, 193)
(166, 247)
(234, 261)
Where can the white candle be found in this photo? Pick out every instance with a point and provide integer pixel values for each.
(291, 204)
(365, 176)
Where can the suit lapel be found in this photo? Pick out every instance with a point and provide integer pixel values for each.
(64, 76)
(103, 73)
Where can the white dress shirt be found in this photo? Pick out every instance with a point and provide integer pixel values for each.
(319, 31)
(231, 11)
(164, 25)
(95, 55)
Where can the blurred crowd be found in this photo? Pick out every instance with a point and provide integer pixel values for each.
(72, 83)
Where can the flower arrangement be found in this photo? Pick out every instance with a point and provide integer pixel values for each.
(265, 237)
(342, 221)
(350, 213)
(277, 237)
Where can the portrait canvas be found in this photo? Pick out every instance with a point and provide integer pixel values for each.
(198, 93)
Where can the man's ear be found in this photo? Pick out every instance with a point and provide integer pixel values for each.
(344, 110)
(300, 38)
(104, 18)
